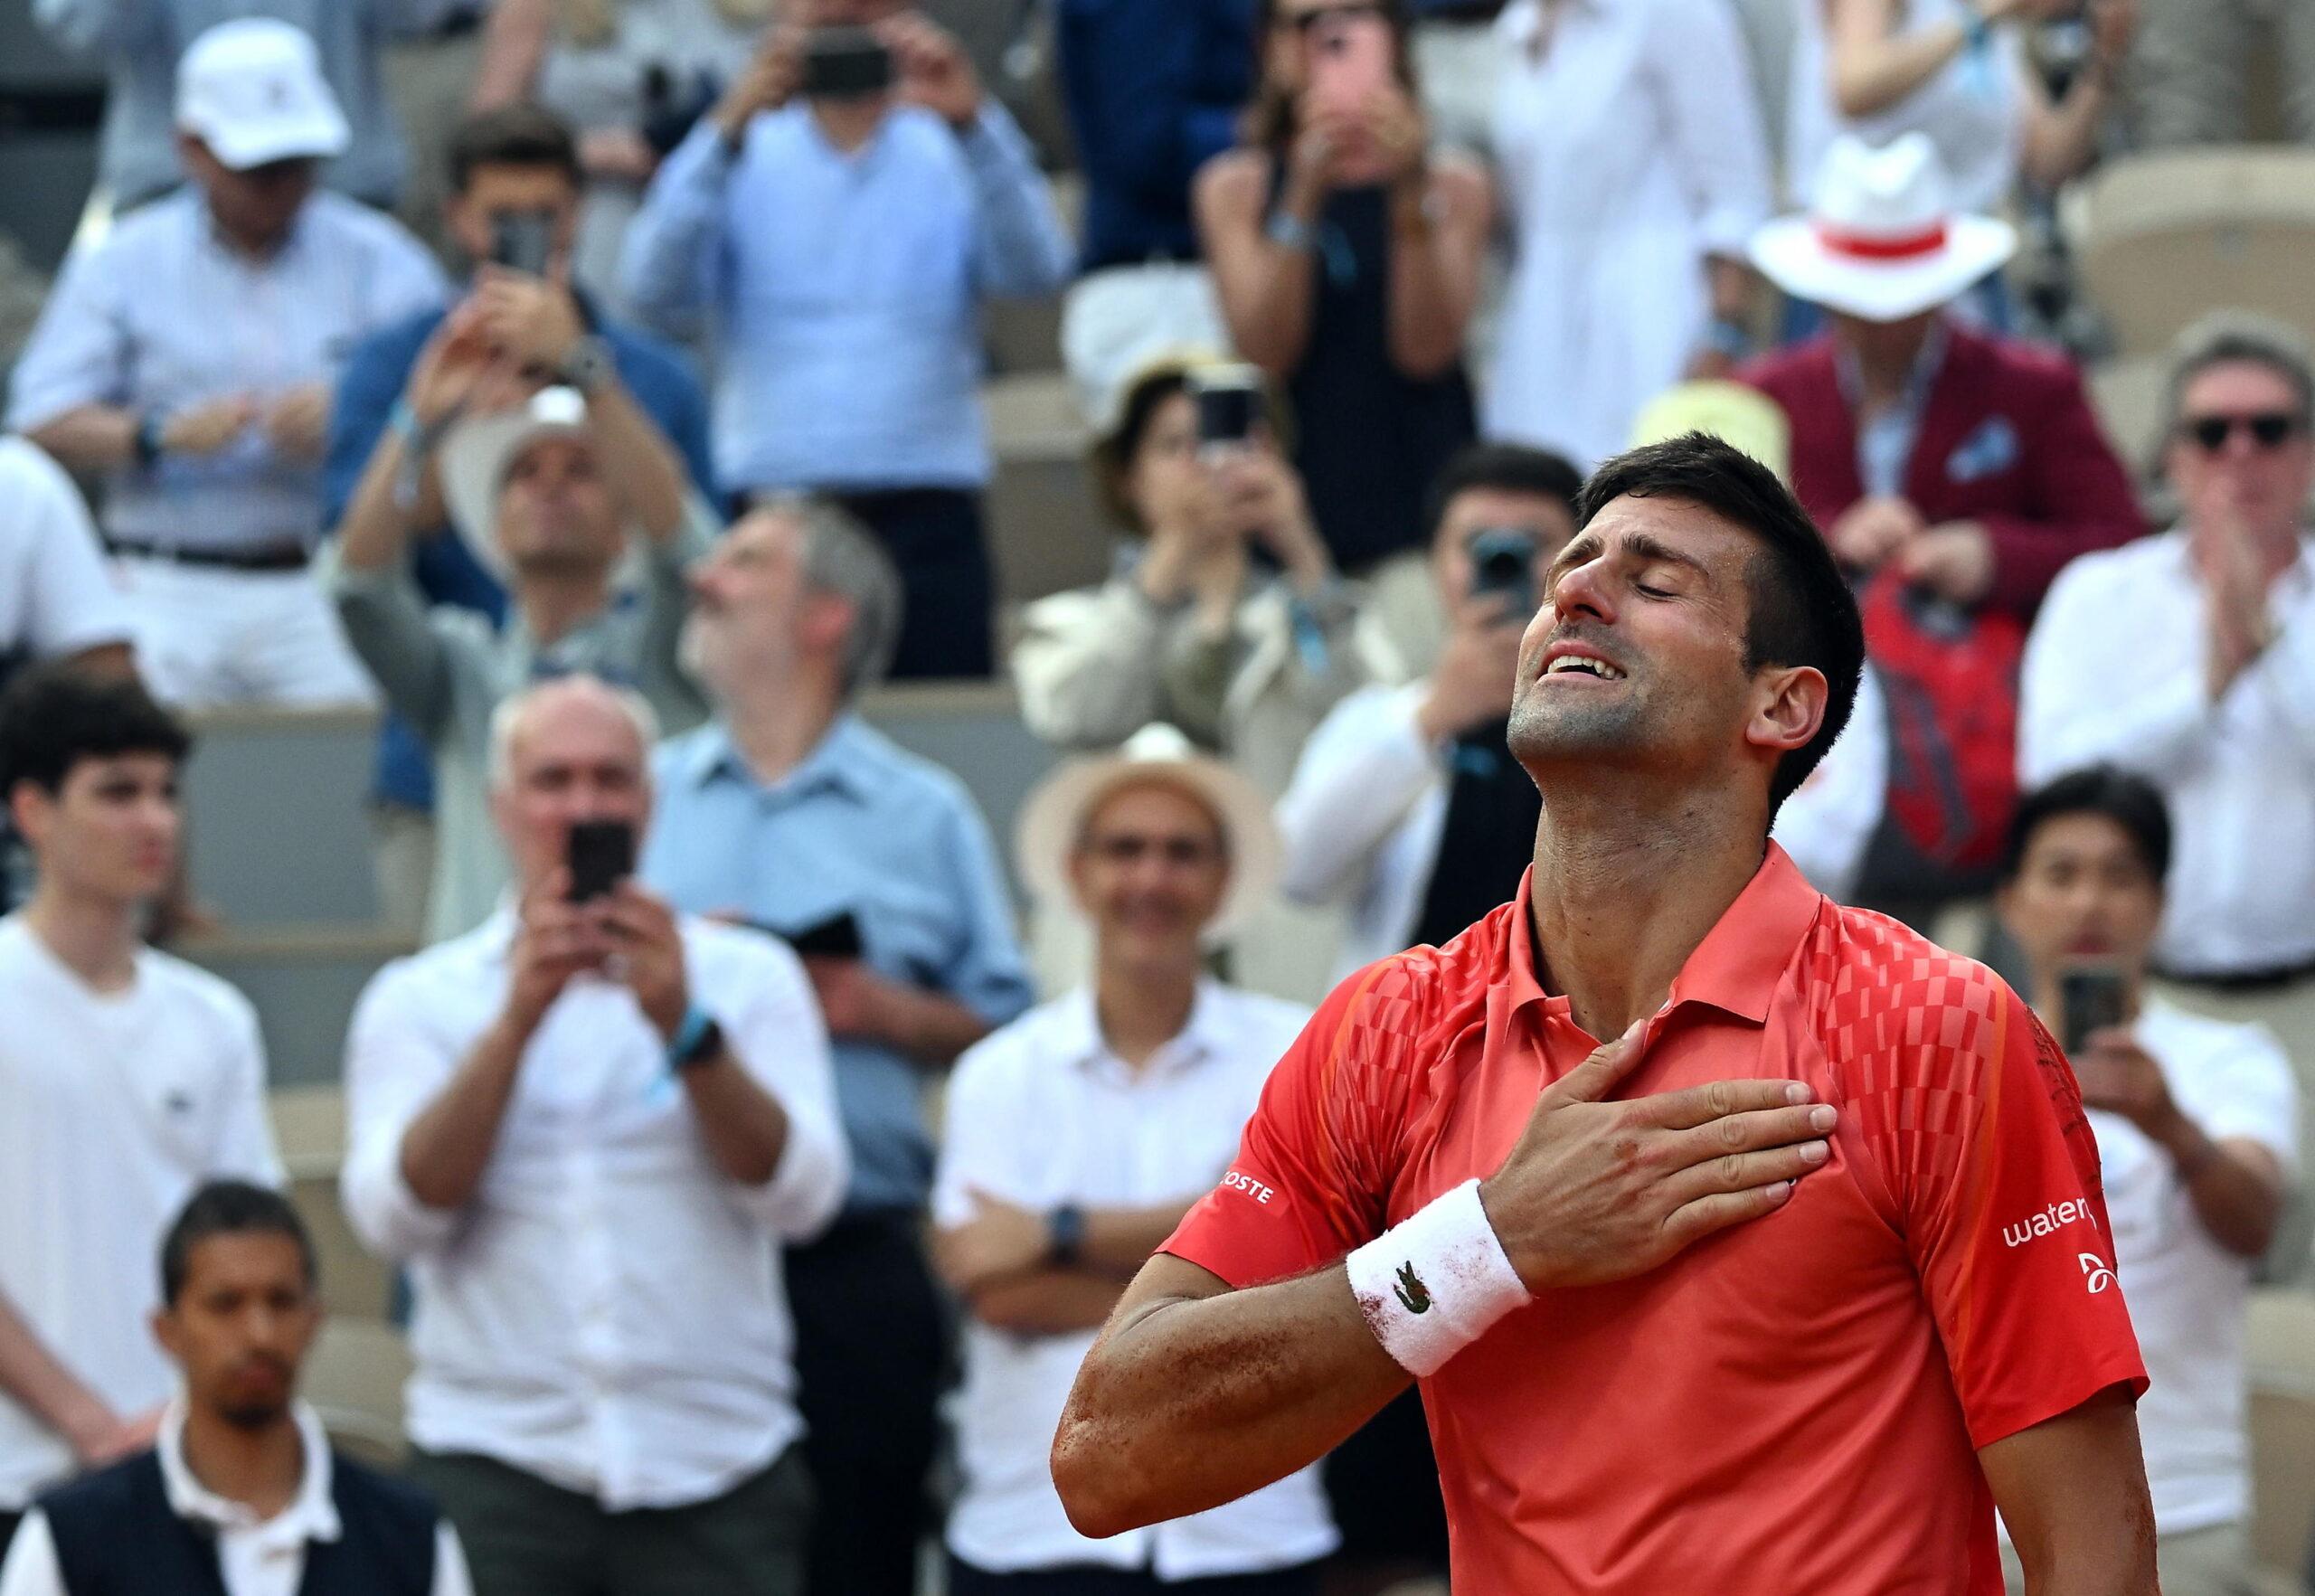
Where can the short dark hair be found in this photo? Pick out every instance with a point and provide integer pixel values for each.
(2130, 802)
(1500, 467)
(1114, 451)
(1802, 611)
(230, 1208)
(523, 134)
(56, 715)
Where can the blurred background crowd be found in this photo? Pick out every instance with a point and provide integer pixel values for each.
(717, 674)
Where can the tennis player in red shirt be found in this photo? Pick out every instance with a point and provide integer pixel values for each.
(1669, 1344)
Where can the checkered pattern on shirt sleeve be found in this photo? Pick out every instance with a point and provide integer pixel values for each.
(1973, 1126)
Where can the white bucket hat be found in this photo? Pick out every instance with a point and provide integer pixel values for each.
(252, 90)
(1055, 813)
(478, 451)
(1882, 241)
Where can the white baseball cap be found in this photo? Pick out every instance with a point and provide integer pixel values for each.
(252, 90)
(477, 453)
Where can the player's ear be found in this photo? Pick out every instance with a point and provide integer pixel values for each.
(1789, 706)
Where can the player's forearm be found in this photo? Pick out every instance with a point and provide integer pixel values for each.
(1186, 1403)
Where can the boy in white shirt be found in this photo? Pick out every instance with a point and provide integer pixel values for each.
(127, 1078)
(1077, 1138)
(2197, 1122)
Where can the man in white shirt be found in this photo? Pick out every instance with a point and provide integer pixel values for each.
(2189, 658)
(56, 601)
(1368, 812)
(584, 1127)
(1138, 1086)
(188, 357)
(127, 1078)
(241, 1490)
(2197, 1123)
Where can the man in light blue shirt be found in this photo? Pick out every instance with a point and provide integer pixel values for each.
(842, 240)
(140, 40)
(187, 357)
(787, 812)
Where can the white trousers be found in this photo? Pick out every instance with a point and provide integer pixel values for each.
(207, 636)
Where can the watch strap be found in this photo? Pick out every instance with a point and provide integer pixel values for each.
(1066, 1226)
(697, 1040)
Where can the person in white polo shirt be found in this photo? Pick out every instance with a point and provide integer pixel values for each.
(55, 599)
(2196, 1121)
(187, 357)
(1077, 1137)
(127, 1078)
(587, 1126)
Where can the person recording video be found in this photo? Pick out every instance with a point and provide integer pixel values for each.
(839, 218)
(583, 1129)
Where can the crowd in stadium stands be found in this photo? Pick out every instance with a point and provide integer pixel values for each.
(734, 1176)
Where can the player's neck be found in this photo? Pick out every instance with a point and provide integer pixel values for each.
(1622, 893)
(93, 937)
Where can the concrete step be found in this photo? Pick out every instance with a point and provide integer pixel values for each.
(305, 982)
(278, 801)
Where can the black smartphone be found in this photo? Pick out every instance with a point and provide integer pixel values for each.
(601, 855)
(1503, 566)
(1230, 404)
(836, 937)
(845, 63)
(522, 240)
(2091, 995)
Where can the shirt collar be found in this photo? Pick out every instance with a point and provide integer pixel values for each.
(1078, 1038)
(312, 1515)
(1736, 968)
(1523, 23)
(836, 762)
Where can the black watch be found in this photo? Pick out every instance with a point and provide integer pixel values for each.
(696, 1044)
(147, 445)
(1066, 1226)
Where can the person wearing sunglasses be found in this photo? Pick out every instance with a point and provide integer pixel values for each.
(2189, 658)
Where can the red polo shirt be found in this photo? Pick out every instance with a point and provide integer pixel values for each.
(1794, 1404)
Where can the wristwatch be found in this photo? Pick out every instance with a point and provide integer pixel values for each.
(698, 1040)
(1066, 1226)
(147, 446)
(588, 364)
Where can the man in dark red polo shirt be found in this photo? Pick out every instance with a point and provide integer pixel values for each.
(1799, 1369)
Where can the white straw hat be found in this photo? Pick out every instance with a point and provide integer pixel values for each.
(252, 90)
(1882, 241)
(1055, 814)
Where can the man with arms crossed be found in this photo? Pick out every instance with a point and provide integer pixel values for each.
(1662, 1350)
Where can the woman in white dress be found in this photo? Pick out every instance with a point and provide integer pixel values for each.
(1955, 70)
(1634, 168)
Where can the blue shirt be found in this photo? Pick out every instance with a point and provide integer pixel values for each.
(861, 826)
(663, 386)
(1155, 89)
(845, 290)
(163, 314)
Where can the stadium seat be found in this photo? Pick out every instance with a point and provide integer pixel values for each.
(354, 1379)
(309, 1122)
(1046, 531)
(278, 801)
(2165, 237)
(2281, 1346)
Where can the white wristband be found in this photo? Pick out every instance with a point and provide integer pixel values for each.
(1436, 1281)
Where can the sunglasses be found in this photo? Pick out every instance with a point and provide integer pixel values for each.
(2268, 430)
(1303, 22)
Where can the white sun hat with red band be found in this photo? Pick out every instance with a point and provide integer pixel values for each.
(1883, 242)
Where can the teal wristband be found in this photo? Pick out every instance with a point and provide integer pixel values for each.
(691, 1043)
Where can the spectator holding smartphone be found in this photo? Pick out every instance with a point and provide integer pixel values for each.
(584, 1127)
(2197, 1129)
(547, 495)
(1192, 631)
(514, 213)
(1348, 259)
(839, 218)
